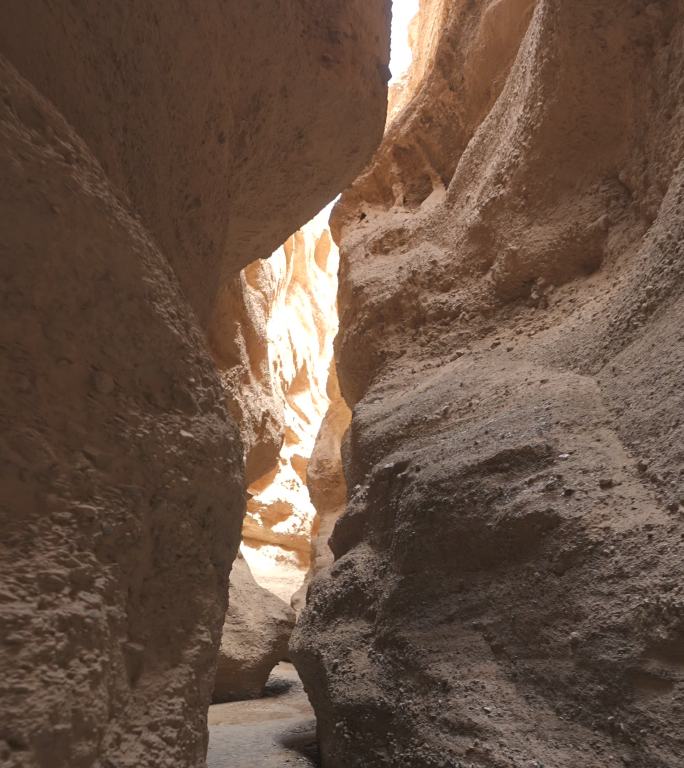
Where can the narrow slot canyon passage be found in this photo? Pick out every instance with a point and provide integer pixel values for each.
(261, 715)
(286, 382)
(343, 384)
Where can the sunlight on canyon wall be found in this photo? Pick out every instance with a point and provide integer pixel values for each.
(300, 328)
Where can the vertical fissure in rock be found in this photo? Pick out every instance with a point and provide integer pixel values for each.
(285, 383)
(281, 381)
(286, 323)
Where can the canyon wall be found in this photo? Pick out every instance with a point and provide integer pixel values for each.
(283, 337)
(147, 153)
(507, 585)
(325, 482)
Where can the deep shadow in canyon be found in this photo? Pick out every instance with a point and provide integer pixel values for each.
(496, 570)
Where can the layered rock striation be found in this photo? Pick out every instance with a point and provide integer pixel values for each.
(292, 323)
(507, 584)
(147, 153)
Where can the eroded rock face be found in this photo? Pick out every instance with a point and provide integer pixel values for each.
(292, 332)
(326, 483)
(179, 143)
(325, 476)
(507, 588)
(229, 126)
(254, 639)
(121, 473)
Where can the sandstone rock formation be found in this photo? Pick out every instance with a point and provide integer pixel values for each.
(229, 126)
(507, 588)
(121, 475)
(151, 152)
(254, 639)
(325, 482)
(291, 325)
(325, 476)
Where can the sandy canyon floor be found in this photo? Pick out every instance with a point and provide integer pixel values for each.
(272, 732)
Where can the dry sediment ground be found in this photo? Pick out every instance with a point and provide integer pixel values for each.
(271, 732)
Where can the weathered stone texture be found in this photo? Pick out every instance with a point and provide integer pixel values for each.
(507, 589)
(148, 152)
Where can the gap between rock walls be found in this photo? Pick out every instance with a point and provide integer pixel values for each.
(406, 492)
(284, 388)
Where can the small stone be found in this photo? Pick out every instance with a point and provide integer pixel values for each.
(606, 482)
(103, 382)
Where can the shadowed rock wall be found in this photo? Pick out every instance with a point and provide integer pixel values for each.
(507, 589)
(254, 639)
(209, 116)
(121, 472)
(152, 151)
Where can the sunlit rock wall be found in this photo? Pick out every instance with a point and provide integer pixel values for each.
(297, 289)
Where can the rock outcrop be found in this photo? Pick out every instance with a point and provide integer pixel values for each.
(507, 589)
(291, 324)
(325, 475)
(255, 635)
(325, 482)
(121, 475)
(147, 153)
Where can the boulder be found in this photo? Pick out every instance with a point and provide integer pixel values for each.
(254, 639)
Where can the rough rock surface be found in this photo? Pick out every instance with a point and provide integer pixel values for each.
(158, 148)
(121, 474)
(325, 482)
(507, 588)
(229, 125)
(325, 476)
(291, 326)
(255, 635)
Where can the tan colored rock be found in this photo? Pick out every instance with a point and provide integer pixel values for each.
(254, 639)
(158, 148)
(325, 476)
(507, 583)
(120, 471)
(241, 352)
(296, 287)
(325, 483)
(209, 118)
